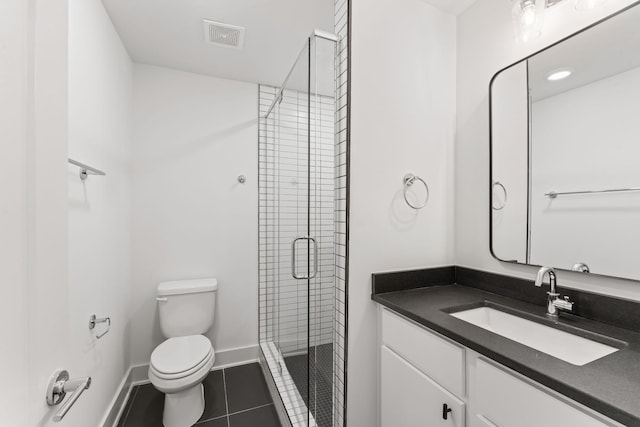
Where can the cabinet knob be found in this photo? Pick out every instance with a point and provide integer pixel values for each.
(445, 411)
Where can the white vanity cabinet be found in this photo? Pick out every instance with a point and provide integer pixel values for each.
(412, 399)
(505, 400)
(421, 376)
(421, 371)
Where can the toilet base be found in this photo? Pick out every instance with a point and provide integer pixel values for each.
(183, 409)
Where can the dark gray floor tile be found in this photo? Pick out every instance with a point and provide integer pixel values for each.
(214, 399)
(127, 406)
(313, 375)
(146, 409)
(218, 422)
(246, 387)
(265, 416)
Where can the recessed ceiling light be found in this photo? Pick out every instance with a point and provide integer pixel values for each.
(559, 74)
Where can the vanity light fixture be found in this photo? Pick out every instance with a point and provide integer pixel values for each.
(559, 74)
(528, 16)
(588, 4)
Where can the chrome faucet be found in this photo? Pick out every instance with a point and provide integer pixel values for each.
(580, 267)
(554, 303)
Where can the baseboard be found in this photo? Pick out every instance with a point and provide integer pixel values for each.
(224, 359)
(236, 356)
(117, 404)
(138, 374)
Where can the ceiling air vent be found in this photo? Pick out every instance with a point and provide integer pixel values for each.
(223, 35)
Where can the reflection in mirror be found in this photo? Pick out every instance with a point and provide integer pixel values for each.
(564, 146)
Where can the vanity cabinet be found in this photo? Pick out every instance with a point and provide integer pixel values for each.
(421, 371)
(505, 400)
(410, 398)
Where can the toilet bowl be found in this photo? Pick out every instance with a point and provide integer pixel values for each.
(177, 368)
(180, 364)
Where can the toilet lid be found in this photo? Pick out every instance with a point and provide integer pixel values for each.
(180, 354)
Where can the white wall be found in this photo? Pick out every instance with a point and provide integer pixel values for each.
(586, 139)
(485, 45)
(193, 136)
(14, 25)
(403, 119)
(100, 128)
(46, 202)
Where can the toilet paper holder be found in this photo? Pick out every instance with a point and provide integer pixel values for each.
(93, 321)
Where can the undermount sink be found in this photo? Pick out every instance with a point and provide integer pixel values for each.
(563, 345)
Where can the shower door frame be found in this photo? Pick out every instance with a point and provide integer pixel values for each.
(312, 94)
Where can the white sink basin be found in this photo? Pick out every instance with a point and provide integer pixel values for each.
(563, 345)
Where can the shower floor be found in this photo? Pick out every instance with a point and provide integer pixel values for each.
(320, 374)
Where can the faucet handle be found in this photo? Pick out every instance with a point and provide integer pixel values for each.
(563, 304)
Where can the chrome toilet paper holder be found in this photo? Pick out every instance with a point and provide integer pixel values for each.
(93, 321)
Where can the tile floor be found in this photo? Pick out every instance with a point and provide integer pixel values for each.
(234, 397)
(313, 375)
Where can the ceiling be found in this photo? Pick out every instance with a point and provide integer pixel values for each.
(169, 33)
(454, 7)
(605, 50)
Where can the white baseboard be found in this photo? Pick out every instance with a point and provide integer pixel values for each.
(138, 374)
(236, 356)
(117, 404)
(224, 359)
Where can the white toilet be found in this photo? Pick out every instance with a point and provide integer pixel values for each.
(180, 364)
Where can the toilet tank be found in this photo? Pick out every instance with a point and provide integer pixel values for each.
(186, 307)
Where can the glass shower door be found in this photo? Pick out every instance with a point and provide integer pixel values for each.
(297, 226)
(291, 248)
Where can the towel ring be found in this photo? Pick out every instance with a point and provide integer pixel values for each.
(499, 184)
(410, 179)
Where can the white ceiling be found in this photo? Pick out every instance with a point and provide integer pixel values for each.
(169, 33)
(605, 50)
(454, 7)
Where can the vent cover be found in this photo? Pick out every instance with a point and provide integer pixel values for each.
(224, 35)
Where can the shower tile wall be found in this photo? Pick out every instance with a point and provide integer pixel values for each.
(283, 176)
(341, 8)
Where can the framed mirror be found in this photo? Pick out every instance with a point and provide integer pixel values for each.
(565, 153)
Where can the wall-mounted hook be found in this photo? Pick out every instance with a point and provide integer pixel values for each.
(242, 179)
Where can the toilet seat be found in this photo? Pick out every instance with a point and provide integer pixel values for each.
(190, 357)
(181, 356)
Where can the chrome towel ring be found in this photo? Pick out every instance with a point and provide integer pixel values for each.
(410, 179)
(504, 203)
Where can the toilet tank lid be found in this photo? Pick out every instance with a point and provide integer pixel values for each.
(193, 286)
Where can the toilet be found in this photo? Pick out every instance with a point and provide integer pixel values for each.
(180, 364)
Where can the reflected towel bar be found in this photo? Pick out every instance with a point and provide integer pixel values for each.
(86, 170)
(553, 194)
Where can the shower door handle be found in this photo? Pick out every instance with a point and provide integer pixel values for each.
(315, 258)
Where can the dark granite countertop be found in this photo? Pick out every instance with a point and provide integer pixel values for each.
(610, 385)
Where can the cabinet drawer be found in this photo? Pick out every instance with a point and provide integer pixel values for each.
(411, 399)
(437, 357)
(509, 401)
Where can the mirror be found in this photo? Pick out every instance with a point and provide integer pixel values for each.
(565, 152)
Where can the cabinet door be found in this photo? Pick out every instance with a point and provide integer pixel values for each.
(482, 421)
(511, 402)
(410, 398)
(437, 357)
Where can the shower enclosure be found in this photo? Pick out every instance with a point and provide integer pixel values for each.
(301, 327)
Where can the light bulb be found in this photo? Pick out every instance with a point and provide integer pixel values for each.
(559, 74)
(527, 18)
